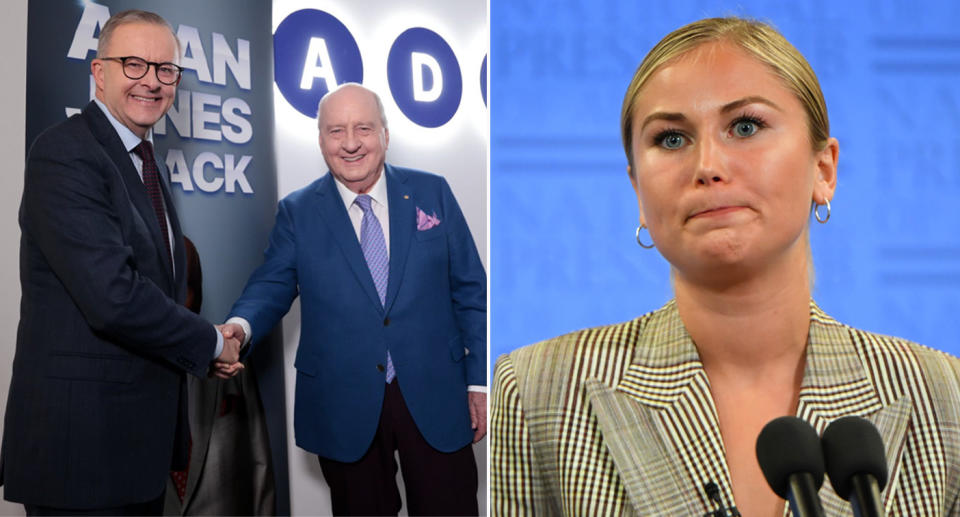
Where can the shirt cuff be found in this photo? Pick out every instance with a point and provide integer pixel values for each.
(246, 328)
(478, 389)
(219, 348)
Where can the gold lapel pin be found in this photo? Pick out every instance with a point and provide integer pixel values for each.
(406, 196)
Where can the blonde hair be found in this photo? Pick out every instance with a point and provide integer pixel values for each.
(758, 39)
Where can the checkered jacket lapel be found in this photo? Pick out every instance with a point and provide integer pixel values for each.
(852, 372)
(660, 425)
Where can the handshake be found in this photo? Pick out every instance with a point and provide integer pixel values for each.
(228, 364)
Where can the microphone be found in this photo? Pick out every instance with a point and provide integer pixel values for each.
(856, 463)
(713, 493)
(788, 450)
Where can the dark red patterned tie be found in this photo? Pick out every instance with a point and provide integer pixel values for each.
(151, 180)
(179, 477)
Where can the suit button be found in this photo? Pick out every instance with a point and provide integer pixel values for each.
(386, 322)
(380, 368)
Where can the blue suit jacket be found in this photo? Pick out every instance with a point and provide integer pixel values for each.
(435, 307)
(96, 413)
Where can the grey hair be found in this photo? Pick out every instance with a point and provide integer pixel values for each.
(383, 115)
(126, 17)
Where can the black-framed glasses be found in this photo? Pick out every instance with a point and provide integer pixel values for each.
(136, 67)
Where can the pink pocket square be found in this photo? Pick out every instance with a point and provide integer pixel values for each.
(425, 222)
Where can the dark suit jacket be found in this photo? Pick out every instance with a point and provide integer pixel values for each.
(619, 420)
(97, 400)
(435, 307)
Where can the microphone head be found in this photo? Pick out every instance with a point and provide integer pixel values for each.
(788, 445)
(852, 445)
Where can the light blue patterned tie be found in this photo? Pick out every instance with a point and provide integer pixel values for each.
(374, 248)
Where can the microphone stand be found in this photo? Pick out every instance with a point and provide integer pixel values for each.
(865, 489)
(804, 501)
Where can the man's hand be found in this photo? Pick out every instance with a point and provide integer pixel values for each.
(478, 414)
(227, 364)
(231, 345)
(226, 371)
(232, 331)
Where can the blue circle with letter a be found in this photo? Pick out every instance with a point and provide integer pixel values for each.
(313, 52)
(424, 77)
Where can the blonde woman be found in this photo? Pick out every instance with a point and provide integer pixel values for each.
(728, 144)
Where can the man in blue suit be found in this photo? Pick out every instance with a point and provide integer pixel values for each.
(392, 354)
(96, 415)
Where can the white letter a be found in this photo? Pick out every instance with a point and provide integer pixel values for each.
(94, 15)
(317, 64)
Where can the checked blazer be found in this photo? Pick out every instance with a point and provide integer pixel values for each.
(619, 420)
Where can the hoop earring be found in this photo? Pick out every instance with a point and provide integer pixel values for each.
(642, 245)
(816, 211)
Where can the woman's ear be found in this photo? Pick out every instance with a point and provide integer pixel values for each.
(825, 182)
(636, 190)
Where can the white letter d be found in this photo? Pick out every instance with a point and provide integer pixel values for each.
(421, 64)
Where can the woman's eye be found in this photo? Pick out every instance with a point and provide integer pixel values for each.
(745, 128)
(672, 141)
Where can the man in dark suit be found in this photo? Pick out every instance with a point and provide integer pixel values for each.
(393, 298)
(96, 415)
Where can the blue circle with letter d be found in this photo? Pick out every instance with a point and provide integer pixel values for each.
(424, 77)
(313, 52)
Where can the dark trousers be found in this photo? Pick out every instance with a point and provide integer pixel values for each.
(152, 507)
(437, 483)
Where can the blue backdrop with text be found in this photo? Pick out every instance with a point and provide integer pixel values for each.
(563, 213)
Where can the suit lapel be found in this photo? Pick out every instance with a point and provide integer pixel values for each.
(402, 223)
(178, 253)
(136, 191)
(334, 215)
(836, 384)
(660, 425)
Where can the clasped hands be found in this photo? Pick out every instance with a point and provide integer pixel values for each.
(228, 364)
